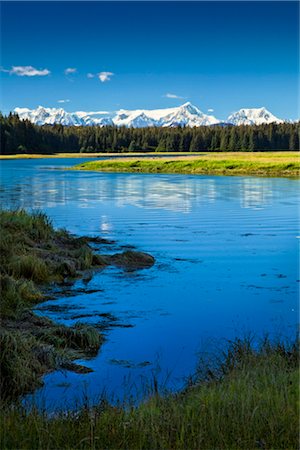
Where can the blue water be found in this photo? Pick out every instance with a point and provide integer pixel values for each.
(226, 252)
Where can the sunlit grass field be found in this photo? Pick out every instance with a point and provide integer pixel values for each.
(239, 163)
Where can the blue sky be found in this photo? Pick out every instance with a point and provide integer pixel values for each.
(221, 56)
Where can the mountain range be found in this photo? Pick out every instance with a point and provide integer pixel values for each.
(184, 115)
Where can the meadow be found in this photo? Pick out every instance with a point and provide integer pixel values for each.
(228, 163)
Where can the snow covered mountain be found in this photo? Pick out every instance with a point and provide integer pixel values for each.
(184, 115)
(252, 116)
(51, 116)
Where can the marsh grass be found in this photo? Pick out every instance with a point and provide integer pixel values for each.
(239, 163)
(16, 295)
(23, 360)
(32, 254)
(30, 267)
(80, 337)
(248, 401)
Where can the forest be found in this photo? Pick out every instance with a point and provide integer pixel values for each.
(21, 136)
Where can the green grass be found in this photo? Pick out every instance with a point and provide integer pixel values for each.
(266, 163)
(32, 254)
(79, 337)
(249, 401)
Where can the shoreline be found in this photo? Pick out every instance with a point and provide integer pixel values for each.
(35, 258)
(250, 396)
(257, 164)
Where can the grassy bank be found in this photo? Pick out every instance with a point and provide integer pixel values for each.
(248, 401)
(32, 255)
(239, 163)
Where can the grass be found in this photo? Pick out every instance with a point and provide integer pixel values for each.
(31, 251)
(249, 400)
(239, 163)
(32, 254)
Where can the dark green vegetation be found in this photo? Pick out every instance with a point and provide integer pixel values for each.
(248, 401)
(32, 255)
(23, 137)
(258, 163)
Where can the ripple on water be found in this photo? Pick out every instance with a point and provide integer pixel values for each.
(226, 264)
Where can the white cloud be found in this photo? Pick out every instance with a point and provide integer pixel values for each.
(173, 96)
(63, 101)
(105, 76)
(210, 110)
(70, 70)
(27, 71)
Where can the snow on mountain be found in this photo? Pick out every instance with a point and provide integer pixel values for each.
(252, 116)
(92, 118)
(50, 116)
(184, 115)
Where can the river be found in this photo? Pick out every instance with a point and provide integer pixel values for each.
(226, 253)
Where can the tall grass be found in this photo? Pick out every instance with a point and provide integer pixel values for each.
(23, 359)
(33, 253)
(250, 402)
(16, 295)
(36, 225)
(79, 337)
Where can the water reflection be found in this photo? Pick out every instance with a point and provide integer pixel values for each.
(256, 192)
(43, 186)
(226, 264)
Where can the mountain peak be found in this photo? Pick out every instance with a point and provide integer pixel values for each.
(186, 104)
(252, 116)
(185, 115)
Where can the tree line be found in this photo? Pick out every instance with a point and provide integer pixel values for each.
(21, 136)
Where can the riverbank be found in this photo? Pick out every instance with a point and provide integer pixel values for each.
(243, 163)
(35, 256)
(248, 401)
